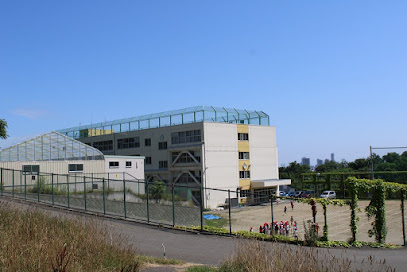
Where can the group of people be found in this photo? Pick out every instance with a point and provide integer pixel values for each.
(280, 228)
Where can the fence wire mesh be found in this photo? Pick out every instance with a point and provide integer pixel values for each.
(124, 196)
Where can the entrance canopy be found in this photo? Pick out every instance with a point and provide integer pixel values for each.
(266, 183)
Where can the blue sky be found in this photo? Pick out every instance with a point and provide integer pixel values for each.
(332, 75)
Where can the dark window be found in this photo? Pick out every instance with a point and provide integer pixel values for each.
(113, 164)
(244, 156)
(190, 136)
(163, 164)
(244, 174)
(128, 164)
(128, 143)
(243, 136)
(31, 169)
(162, 145)
(244, 193)
(147, 142)
(148, 160)
(186, 158)
(104, 145)
(75, 168)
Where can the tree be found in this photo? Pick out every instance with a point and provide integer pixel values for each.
(157, 190)
(3, 131)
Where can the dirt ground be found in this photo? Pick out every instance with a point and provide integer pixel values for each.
(338, 219)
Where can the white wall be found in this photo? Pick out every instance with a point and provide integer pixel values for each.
(221, 161)
(263, 153)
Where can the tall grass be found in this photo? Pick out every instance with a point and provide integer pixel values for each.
(33, 241)
(256, 256)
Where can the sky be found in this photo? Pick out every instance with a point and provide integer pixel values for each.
(332, 75)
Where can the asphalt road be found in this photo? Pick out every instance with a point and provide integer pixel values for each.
(202, 248)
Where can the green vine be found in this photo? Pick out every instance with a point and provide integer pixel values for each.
(377, 210)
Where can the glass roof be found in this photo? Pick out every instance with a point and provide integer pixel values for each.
(50, 146)
(170, 118)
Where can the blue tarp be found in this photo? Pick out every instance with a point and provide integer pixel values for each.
(211, 216)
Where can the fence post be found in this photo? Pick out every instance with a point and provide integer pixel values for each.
(38, 187)
(124, 196)
(1, 181)
(84, 192)
(272, 210)
(230, 217)
(25, 186)
(148, 207)
(12, 179)
(201, 209)
(402, 216)
(173, 206)
(52, 188)
(104, 199)
(67, 188)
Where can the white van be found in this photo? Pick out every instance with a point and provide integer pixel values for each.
(328, 194)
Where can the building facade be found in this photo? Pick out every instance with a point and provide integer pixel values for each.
(232, 151)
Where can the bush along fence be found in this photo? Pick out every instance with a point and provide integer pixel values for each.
(180, 206)
(377, 207)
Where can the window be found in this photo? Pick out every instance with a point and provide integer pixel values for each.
(244, 193)
(162, 145)
(244, 174)
(147, 142)
(128, 164)
(75, 168)
(114, 164)
(148, 160)
(244, 155)
(243, 136)
(186, 137)
(104, 145)
(128, 143)
(31, 169)
(163, 164)
(186, 158)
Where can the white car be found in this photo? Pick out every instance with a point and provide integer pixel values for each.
(328, 194)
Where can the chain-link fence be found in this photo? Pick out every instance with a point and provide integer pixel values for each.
(121, 195)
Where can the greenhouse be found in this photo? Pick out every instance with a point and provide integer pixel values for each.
(170, 118)
(51, 146)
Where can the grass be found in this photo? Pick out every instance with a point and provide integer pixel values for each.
(217, 223)
(255, 256)
(34, 241)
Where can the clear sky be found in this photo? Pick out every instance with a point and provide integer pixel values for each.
(332, 75)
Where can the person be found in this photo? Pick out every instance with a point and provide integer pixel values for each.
(292, 220)
(296, 233)
(317, 228)
(292, 205)
(285, 209)
(261, 229)
(251, 229)
(276, 228)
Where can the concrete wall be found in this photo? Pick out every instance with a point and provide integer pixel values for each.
(221, 161)
(263, 152)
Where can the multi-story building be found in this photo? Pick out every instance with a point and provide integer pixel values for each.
(201, 147)
(306, 161)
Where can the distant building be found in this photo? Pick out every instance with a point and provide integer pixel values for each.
(332, 157)
(306, 161)
(319, 162)
(326, 161)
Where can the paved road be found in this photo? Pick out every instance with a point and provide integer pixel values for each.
(206, 249)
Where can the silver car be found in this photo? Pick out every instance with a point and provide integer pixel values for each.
(328, 194)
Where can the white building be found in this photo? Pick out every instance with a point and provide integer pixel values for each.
(57, 154)
(201, 147)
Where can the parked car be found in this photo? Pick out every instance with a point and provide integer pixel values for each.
(307, 194)
(298, 193)
(291, 194)
(282, 193)
(328, 194)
